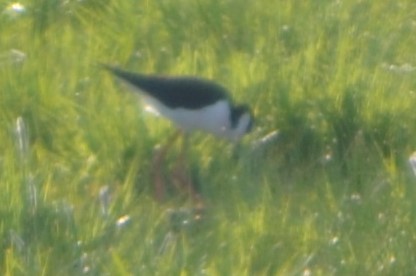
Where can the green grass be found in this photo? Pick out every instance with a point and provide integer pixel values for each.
(333, 195)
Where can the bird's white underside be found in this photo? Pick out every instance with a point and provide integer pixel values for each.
(214, 119)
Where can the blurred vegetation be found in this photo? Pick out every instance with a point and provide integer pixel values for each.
(332, 194)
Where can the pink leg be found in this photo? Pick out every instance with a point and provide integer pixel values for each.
(183, 180)
(157, 162)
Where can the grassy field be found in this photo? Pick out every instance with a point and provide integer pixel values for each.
(333, 194)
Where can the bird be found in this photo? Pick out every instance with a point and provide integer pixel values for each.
(192, 104)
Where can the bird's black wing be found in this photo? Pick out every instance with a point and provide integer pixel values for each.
(175, 92)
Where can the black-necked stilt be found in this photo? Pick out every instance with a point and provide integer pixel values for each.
(192, 104)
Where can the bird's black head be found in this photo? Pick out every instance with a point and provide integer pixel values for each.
(241, 121)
